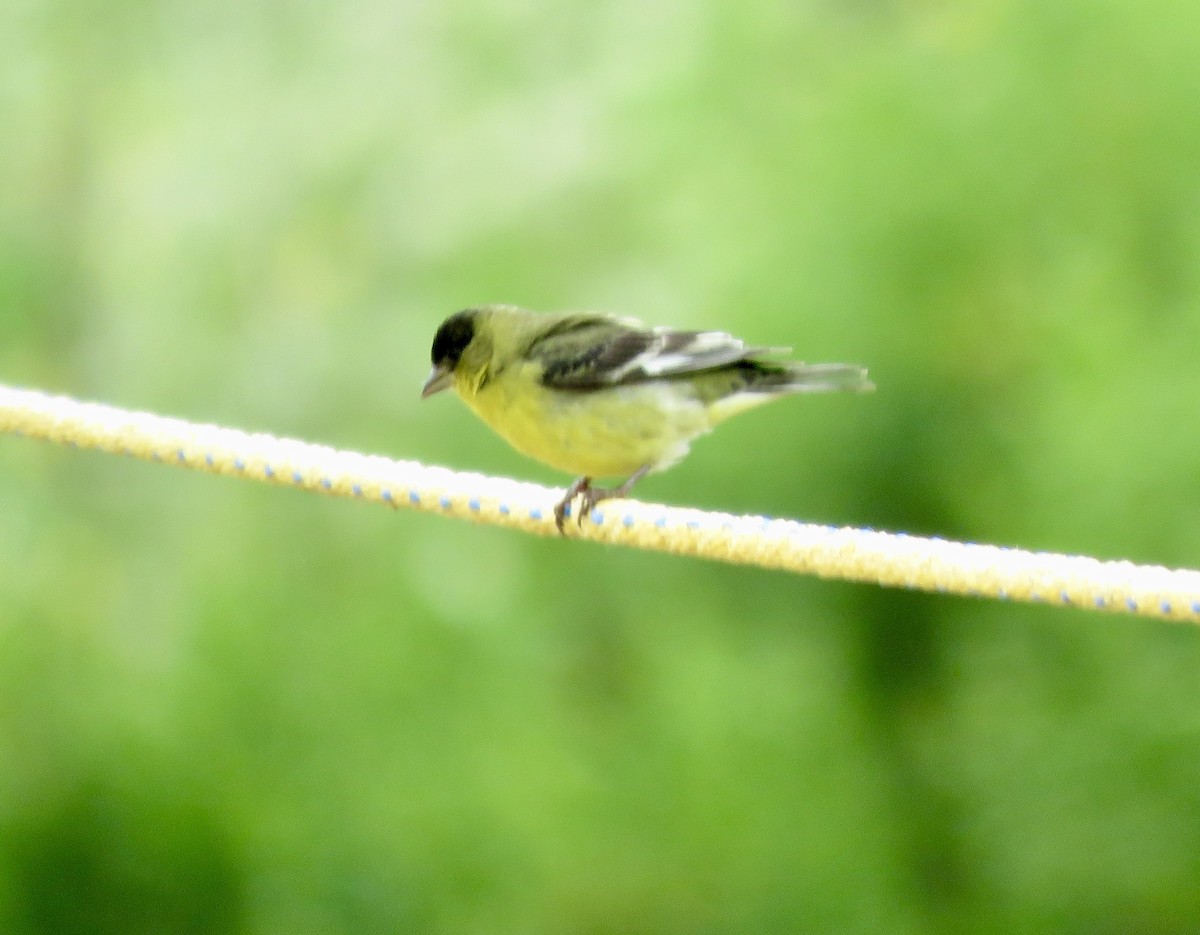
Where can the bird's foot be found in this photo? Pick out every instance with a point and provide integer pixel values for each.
(582, 485)
(589, 496)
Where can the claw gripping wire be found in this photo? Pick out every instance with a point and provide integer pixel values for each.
(889, 559)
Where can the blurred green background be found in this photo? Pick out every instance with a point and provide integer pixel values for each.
(227, 707)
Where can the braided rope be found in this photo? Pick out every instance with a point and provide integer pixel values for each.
(829, 552)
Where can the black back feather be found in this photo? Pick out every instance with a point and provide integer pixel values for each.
(589, 353)
(590, 363)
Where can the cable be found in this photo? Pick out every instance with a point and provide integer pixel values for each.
(865, 555)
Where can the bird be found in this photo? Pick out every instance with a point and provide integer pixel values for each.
(596, 395)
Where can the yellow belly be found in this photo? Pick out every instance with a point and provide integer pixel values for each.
(601, 433)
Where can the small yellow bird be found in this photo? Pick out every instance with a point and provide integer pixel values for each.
(600, 396)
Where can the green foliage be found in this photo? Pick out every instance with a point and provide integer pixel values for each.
(233, 708)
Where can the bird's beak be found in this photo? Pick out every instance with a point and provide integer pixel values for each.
(440, 379)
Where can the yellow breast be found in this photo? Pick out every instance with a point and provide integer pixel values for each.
(594, 433)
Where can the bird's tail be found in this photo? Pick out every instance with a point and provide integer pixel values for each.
(750, 383)
(810, 378)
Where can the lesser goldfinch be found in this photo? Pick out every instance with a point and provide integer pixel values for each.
(600, 396)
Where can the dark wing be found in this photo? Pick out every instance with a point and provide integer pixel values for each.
(589, 352)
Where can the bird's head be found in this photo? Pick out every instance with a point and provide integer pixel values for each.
(457, 352)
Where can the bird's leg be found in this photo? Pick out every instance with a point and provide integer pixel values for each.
(582, 485)
(593, 495)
